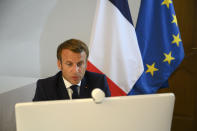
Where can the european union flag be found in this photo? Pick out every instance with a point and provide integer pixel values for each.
(160, 44)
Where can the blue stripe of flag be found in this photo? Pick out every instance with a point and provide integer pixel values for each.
(123, 7)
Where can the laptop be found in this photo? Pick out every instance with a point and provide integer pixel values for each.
(124, 113)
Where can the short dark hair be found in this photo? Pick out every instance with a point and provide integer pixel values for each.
(74, 45)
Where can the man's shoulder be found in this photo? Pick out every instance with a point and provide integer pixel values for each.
(51, 78)
(93, 74)
(94, 77)
(96, 80)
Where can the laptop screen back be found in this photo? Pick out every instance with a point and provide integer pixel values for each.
(136, 113)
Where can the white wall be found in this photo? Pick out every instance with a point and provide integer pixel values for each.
(21, 26)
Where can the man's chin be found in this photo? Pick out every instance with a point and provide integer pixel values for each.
(75, 82)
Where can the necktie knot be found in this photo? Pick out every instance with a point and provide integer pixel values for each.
(75, 94)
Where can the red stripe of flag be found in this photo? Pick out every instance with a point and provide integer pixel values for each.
(114, 89)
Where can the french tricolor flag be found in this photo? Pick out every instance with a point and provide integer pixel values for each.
(113, 46)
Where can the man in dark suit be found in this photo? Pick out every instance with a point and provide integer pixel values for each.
(73, 81)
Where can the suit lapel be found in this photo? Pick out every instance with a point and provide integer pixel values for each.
(61, 89)
(84, 89)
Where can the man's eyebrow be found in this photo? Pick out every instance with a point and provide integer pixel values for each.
(68, 61)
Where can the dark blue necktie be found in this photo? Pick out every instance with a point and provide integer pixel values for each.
(75, 94)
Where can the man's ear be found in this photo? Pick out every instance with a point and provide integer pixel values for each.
(59, 64)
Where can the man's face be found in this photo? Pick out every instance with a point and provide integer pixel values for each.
(73, 65)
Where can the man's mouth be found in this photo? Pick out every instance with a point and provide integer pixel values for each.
(75, 77)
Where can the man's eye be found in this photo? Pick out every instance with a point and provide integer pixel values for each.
(69, 64)
(79, 64)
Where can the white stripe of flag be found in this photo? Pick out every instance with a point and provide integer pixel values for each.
(114, 48)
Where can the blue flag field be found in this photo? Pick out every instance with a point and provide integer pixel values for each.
(160, 44)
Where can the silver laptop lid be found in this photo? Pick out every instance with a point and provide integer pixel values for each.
(127, 113)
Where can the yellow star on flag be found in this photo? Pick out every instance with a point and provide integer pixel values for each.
(151, 68)
(176, 39)
(174, 19)
(166, 2)
(168, 58)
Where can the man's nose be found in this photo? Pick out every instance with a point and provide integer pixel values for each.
(75, 68)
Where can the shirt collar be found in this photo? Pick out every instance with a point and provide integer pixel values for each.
(68, 84)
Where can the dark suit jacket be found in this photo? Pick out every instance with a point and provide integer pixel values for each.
(53, 88)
